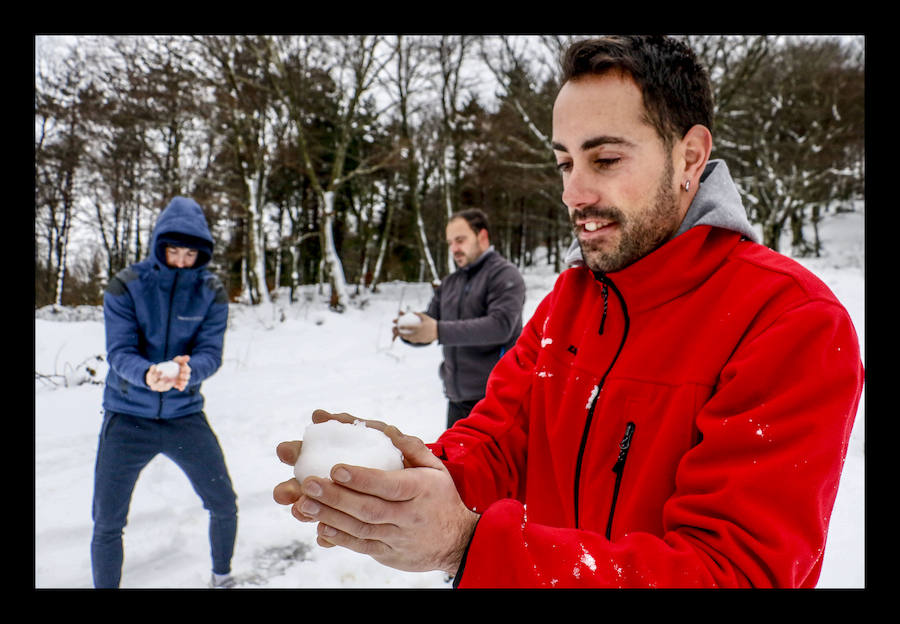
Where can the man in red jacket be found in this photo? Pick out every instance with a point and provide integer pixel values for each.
(677, 410)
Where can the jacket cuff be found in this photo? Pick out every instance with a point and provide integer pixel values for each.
(462, 563)
(493, 556)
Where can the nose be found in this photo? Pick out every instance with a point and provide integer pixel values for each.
(578, 190)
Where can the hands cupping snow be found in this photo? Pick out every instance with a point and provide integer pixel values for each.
(399, 517)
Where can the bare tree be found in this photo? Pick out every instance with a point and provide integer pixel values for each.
(411, 71)
(527, 186)
(453, 52)
(59, 145)
(254, 128)
(792, 132)
(353, 63)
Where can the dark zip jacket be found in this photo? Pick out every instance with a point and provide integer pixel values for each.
(154, 312)
(479, 313)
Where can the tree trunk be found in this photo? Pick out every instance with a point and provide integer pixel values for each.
(62, 241)
(817, 242)
(61, 268)
(295, 269)
(246, 295)
(255, 242)
(772, 235)
(279, 249)
(339, 297)
(798, 243)
(427, 260)
(382, 246)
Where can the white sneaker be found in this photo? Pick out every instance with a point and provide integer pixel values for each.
(221, 581)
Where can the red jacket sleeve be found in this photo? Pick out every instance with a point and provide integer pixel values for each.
(485, 453)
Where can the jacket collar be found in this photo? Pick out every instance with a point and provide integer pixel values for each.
(472, 267)
(680, 265)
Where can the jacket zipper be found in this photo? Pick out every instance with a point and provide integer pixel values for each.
(619, 468)
(459, 309)
(605, 307)
(603, 279)
(168, 328)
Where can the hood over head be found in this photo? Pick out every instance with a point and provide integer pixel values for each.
(717, 203)
(182, 224)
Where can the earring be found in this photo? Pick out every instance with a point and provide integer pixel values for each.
(687, 185)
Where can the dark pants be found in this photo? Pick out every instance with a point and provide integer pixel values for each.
(126, 445)
(457, 410)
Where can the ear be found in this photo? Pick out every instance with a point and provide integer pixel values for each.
(484, 239)
(694, 150)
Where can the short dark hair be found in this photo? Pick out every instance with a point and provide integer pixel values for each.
(676, 88)
(475, 217)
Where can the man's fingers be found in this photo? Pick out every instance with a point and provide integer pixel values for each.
(358, 515)
(328, 536)
(388, 485)
(320, 416)
(289, 452)
(415, 453)
(287, 492)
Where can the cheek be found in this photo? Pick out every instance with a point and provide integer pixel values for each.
(635, 193)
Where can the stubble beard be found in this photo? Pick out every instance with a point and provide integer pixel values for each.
(638, 235)
(462, 260)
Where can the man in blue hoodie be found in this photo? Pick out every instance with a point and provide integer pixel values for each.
(165, 309)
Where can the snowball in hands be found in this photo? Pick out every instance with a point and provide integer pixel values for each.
(168, 369)
(407, 322)
(332, 442)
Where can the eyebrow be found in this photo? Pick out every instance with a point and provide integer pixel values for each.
(595, 142)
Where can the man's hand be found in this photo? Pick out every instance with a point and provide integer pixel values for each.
(157, 382)
(184, 372)
(424, 333)
(410, 519)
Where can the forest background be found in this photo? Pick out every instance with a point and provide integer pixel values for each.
(336, 160)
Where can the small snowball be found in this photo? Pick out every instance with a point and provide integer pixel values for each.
(333, 442)
(168, 369)
(407, 321)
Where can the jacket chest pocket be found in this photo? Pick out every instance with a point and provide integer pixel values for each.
(183, 330)
(640, 433)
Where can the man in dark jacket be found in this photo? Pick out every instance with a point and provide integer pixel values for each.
(165, 323)
(475, 314)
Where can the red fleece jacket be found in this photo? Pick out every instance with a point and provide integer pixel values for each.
(680, 423)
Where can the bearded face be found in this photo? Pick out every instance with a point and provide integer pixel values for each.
(611, 238)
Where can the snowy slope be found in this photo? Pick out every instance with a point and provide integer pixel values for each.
(281, 363)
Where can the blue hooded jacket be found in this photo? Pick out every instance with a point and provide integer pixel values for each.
(154, 312)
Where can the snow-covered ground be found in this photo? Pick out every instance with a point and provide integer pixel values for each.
(280, 364)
